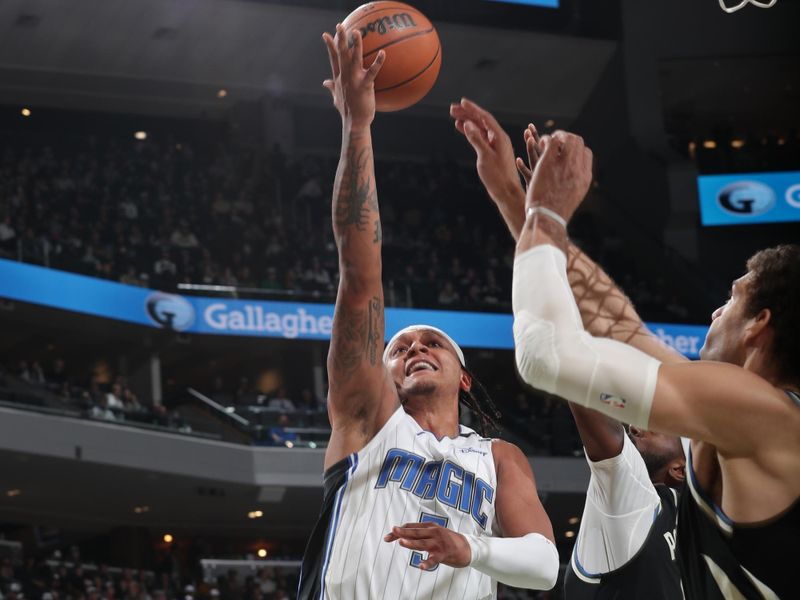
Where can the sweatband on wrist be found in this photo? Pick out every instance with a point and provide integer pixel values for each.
(530, 561)
(543, 210)
(555, 354)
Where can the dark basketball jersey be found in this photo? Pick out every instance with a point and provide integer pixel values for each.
(652, 574)
(723, 560)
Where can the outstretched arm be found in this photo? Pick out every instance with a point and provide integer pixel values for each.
(703, 400)
(361, 395)
(605, 311)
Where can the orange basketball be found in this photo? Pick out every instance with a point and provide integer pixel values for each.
(411, 44)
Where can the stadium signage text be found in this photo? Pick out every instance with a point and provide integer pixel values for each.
(290, 320)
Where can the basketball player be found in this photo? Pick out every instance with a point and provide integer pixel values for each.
(740, 405)
(626, 544)
(414, 506)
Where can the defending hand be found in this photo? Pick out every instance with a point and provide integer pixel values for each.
(493, 148)
(562, 174)
(351, 85)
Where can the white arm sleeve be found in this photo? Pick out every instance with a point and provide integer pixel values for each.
(555, 354)
(621, 505)
(530, 561)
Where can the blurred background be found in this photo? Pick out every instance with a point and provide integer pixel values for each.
(167, 266)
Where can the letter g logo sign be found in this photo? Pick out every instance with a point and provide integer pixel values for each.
(746, 198)
(170, 311)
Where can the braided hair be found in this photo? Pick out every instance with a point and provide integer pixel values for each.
(478, 401)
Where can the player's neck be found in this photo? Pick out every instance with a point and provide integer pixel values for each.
(440, 420)
(762, 364)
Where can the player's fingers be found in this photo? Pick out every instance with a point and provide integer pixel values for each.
(524, 170)
(330, 86)
(475, 136)
(342, 52)
(485, 114)
(459, 125)
(356, 54)
(376, 65)
(430, 562)
(414, 544)
(534, 133)
(332, 56)
(533, 152)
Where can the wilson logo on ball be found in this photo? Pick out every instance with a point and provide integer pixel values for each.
(385, 24)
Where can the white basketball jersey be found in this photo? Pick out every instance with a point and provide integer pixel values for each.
(405, 475)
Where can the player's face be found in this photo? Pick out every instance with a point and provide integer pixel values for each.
(725, 335)
(422, 361)
(657, 449)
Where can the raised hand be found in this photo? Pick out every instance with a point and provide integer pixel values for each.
(443, 545)
(562, 174)
(351, 85)
(495, 154)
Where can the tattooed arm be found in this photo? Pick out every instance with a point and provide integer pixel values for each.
(361, 395)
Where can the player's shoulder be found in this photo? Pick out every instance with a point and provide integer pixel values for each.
(506, 451)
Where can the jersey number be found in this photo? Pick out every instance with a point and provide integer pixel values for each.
(416, 557)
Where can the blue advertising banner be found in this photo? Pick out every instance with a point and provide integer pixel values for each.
(749, 198)
(288, 320)
(542, 3)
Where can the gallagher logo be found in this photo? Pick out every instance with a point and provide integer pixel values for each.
(746, 198)
(170, 311)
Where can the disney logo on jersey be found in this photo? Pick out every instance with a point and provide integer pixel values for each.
(473, 451)
(449, 483)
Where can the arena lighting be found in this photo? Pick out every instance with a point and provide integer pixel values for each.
(569, 534)
(168, 538)
(25, 112)
(141, 509)
(13, 493)
(574, 520)
(255, 514)
(262, 553)
(737, 144)
(709, 144)
(140, 135)
(222, 93)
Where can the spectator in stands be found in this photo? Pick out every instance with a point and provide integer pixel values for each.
(278, 434)
(183, 237)
(281, 401)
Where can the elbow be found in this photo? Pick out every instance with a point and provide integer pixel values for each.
(548, 569)
(535, 351)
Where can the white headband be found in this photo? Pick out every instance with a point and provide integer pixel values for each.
(411, 328)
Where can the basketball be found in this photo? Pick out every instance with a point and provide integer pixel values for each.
(411, 44)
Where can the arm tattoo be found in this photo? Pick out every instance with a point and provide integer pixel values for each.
(348, 339)
(378, 232)
(357, 335)
(356, 196)
(375, 330)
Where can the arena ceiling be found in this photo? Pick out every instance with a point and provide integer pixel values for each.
(172, 56)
